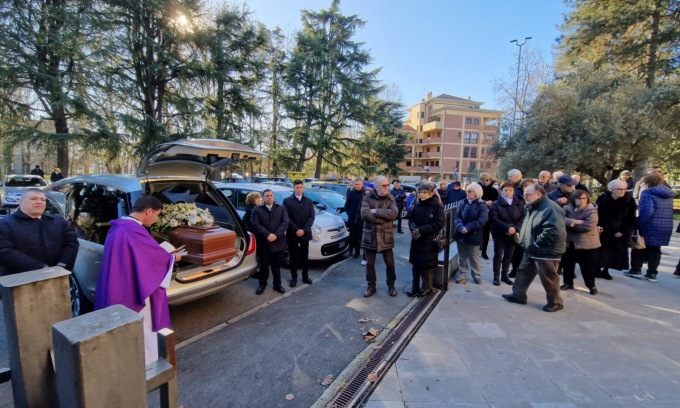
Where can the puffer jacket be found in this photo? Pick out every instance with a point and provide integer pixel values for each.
(378, 231)
(655, 215)
(428, 218)
(504, 215)
(471, 216)
(543, 233)
(586, 235)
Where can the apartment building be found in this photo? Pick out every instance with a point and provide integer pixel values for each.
(449, 137)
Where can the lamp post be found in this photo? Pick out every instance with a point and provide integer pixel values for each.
(519, 57)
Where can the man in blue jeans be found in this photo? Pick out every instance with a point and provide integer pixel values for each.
(544, 239)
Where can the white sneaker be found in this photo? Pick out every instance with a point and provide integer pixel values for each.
(364, 262)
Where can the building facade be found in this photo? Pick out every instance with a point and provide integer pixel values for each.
(449, 138)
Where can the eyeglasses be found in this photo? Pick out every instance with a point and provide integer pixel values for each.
(580, 198)
(469, 191)
(486, 180)
(384, 185)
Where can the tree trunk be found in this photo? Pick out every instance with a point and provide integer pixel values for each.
(650, 71)
(319, 162)
(61, 126)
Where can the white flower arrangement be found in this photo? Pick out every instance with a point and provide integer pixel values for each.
(174, 215)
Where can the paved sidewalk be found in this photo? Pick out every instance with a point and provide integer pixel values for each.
(620, 348)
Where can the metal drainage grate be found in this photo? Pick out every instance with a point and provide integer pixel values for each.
(381, 359)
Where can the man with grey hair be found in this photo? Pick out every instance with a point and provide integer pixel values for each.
(556, 176)
(354, 222)
(378, 210)
(544, 178)
(515, 177)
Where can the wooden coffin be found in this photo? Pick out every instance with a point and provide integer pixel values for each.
(204, 245)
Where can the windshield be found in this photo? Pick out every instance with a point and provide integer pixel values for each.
(25, 182)
(332, 199)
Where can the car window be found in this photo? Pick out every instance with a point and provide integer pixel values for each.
(91, 207)
(25, 182)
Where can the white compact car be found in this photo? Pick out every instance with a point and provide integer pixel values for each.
(330, 238)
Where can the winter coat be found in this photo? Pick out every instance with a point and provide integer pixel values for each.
(378, 231)
(615, 216)
(543, 233)
(267, 222)
(489, 193)
(353, 204)
(549, 187)
(300, 217)
(586, 235)
(28, 243)
(504, 215)
(557, 194)
(455, 196)
(443, 195)
(248, 217)
(428, 218)
(655, 215)
(399, 196)
(471, 216)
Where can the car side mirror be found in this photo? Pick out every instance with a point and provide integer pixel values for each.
(321, 207)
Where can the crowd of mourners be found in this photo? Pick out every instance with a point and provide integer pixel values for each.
(547, 226)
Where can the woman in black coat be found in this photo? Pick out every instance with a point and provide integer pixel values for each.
(427, 218)
(506, 214)
(616, 213)
(253, 199)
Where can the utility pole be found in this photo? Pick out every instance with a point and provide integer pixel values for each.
(519, 60)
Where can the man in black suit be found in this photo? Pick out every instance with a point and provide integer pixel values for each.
(270, 222)
(300, 211)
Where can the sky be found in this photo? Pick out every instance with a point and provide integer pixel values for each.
(457, 47)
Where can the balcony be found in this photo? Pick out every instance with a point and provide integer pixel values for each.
(435, 126)
(432, 140)
(421, 169)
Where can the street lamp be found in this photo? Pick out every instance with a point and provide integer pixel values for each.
(519, 56)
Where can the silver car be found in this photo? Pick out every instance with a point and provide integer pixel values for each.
(13, 186)
(175, 172)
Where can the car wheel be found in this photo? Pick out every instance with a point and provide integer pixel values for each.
(79, 303)
(285, 259)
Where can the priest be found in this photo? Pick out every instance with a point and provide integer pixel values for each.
(136, 271)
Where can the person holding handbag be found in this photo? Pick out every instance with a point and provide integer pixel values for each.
(616, 221)
(654, 224)
(427, 218)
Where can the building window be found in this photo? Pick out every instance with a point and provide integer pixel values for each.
(466, 152)
(428, 150)
(457, 164)
(489, 137)
(422, 115)
(482, 151)
(436, 163)
(458, 135)
(439, 148)
(468, 121)
(475, 121)
(472, 168)
(471, 138)
(408, 164)
(473, 152)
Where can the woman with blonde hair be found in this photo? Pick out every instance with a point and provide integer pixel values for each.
(253, 199)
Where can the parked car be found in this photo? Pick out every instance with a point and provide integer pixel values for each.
(282, 180)
(326, 200)
(410, 190)
(280, 183)
(258, 179)
(338, 188)
(235, 180)
(330, 238)
(13, 186)
(174, 172)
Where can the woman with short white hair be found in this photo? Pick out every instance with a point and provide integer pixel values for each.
(616, 212)
(470, 218)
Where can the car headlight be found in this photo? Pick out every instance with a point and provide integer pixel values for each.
(316, 233)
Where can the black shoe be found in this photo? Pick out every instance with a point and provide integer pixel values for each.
(305, 279)
(650, 277)
(606, 275)
(477, 280)
(512, 274)
(392, 291)
(552, 307)
(677, 272)
(496, 281)
(634, 274)
(369, 292)
(593, 291)
(506, 280)
(511, 298)
(280, 289)
(566, 286)
(412, 292)
(356, 254)
(292, 283)
(400, 231)
(484, 255)
(423, 293)
(259, 290)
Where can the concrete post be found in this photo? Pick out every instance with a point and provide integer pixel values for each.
(33, 301)
(100, 360)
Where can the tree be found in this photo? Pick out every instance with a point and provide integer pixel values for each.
(593, 122)
(329, 82)
(640, 36)
(44, 49)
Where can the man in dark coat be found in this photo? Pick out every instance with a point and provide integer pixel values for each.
(489, 195)
(30, 239)
(378, 210)
(37, 171)
(300, 211)
(506, 215)
(544, 180)
(270, 222)
(565, 186)
(426, 220)
(544, 239)
(352, 206)
(456, 195)
(56, 175)
(400, 197)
